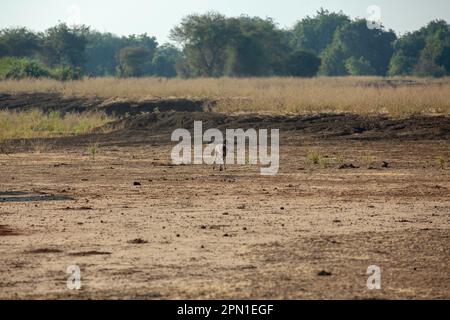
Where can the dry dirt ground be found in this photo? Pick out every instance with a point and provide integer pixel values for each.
(187, 232)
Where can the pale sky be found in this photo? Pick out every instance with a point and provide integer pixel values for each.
(157, 17)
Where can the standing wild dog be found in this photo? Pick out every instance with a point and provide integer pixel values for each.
(220, 154)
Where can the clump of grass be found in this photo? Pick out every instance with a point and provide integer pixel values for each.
(324, 162)
(93, 150)
(339, 160)
(314, 157)
(440, 161)
(35, 124)
(369, 161)
(40, 145)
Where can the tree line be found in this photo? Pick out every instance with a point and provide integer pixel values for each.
(213, 45)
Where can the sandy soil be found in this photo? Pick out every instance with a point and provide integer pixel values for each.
(140, 228)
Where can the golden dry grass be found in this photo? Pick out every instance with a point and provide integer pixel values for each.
(36, 124)
(364, 95)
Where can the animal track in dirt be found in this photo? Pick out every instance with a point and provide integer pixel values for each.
(7, 231)
(138, 241)
(44, 251)
(89, 253)
(83, 208)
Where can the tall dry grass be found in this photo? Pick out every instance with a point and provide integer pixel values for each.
(36, 124)
(365, 95)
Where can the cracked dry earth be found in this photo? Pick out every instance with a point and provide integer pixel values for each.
(186, 232)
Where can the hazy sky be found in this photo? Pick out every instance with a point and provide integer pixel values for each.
(157, 17)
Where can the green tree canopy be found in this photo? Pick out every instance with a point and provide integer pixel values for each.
(18, 42)
(316, 33)
(134, 62)
(101, 51)
(303, 63)
(65, 46)
(256, 47)
(359, 67)
(164, 61)
(212, 45)
(425, 52)
(355, 39)
(205, 39)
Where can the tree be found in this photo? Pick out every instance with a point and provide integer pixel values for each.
(164, 62)
(359, 67)
(256, 47)
(302, 63)
(101, 51)
(357, 40)
(134, 62)
(142, 40)
(425, 52)
(4, 50)
(332, 61)
(18, 42)
(406, 55)
(437, 47)
(428, 68)
(205, 39)
(401, 64)
(65, 46)
(214, 45)
(316, 33)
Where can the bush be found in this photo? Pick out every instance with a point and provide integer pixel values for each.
(427, 68)
(302, 63)
(134, 62)
(359, 67)
(65, 73)
(21, 68)
(401, 65)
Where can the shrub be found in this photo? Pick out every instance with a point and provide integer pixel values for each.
(359, 67)
(134, 62)
(302, 63)
(314, 157)
(65, 73)
(15, 68)
(427, 68)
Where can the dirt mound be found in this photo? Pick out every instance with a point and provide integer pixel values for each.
(141, 119)
(46, 102)
(349, 126)
(55, 102)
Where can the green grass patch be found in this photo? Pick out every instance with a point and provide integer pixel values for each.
(37, 124)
